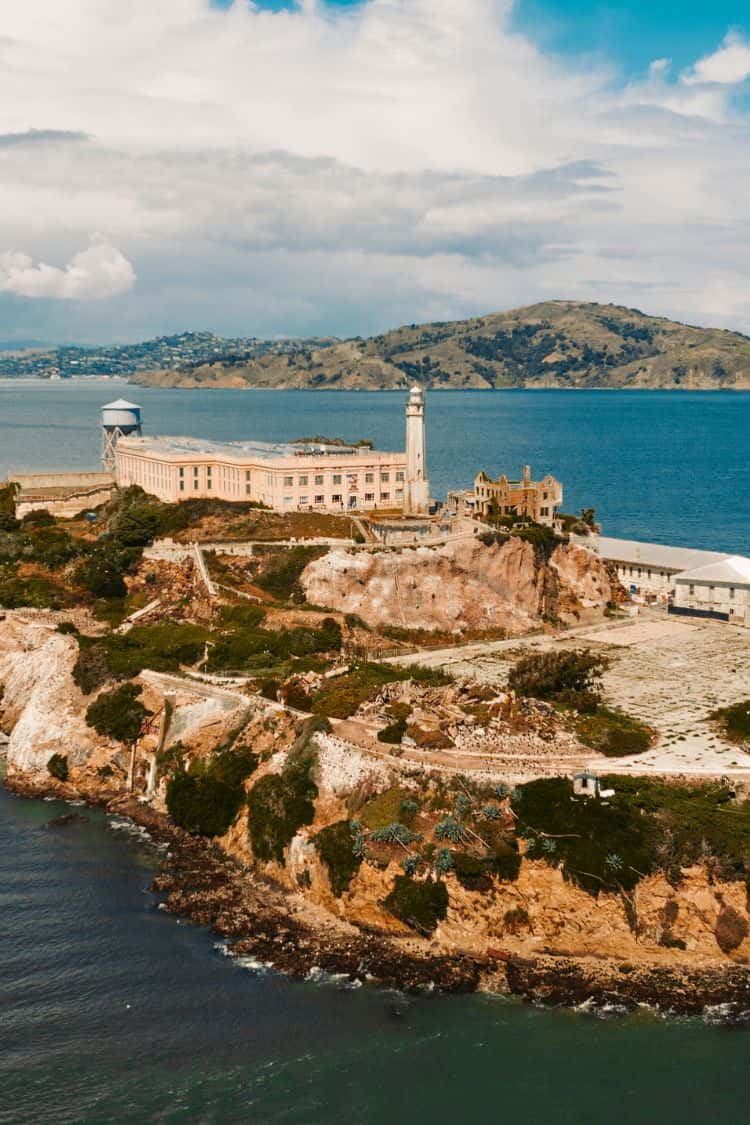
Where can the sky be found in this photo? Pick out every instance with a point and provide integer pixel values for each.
(345, 167)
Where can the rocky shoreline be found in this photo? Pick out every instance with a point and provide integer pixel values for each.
(258, 920)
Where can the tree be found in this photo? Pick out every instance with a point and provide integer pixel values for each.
(118, 714)
(8, 496)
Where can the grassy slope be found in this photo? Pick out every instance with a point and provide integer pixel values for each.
(554, 344)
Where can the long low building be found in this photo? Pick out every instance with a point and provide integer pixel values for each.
(648, 568)
(306, 475)
(283, 476)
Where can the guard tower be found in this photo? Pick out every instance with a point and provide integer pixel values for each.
(416, 485)
(119, 419)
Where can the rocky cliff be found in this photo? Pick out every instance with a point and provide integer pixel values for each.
(465, 585)
(398, 871)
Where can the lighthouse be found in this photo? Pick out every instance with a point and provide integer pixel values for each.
(416, 485)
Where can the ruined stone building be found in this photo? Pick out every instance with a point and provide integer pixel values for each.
(537, 500)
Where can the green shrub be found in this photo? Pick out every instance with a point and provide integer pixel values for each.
(35, 591)
(8, 494)
(40, 517)
(341, 696)
(241, 616)
(471, 871)
(204, 805)
(569, 676)
(281, 574)
(421, 904)
(57, 767)
(102, 572)
(280, 804)
(579, 836)
(647, 825)
(614, 734)
(68, 629)
(51, 547)
(91, 669)
(384, 809)
(295, 695)
(207, 798)
(118, 714)
(505, 862)
(335, 846)
(516, 919)
(393, 733)
(163, 647)
(734, 721)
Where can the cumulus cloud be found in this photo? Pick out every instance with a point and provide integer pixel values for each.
(727, 66)
(339, 170)
(93, 274)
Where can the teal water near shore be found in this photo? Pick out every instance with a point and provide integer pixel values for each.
(667, 467)
(112, 1011)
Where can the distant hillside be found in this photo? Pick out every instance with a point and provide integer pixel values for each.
(555, 344)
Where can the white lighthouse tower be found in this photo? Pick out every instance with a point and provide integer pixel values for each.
(416, 485)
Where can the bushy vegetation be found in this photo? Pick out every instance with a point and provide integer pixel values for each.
(570, 677)
(394, 732)
(340, 696)
(118, 714)
(393, 804)
(734, 721)
(207, 798)
(162, 647)
(648, 825)
(335, 846)
(35, 591)
(243, 644)
(614, 734)
(280, 804)
(8, 494)
(421, 904)
(282, 571)
(57, 767)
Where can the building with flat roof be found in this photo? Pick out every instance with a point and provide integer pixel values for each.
(648, 568)
(287, 476)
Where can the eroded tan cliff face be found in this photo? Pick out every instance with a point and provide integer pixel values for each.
(42, 709)
(461, 585)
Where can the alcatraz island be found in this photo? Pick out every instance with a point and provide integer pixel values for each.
(462, 745)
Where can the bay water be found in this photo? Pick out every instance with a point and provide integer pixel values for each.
(667, 467)
(112, 1011)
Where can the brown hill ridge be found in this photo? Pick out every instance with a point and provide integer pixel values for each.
(564, 344)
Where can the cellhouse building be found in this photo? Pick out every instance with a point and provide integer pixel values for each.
(306, 475)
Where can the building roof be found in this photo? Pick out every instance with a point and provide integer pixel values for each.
(733, 570)
(121, 404)
(256, 450)
(655, 555)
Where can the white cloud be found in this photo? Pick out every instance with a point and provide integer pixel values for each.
(93, 274)
(727, 66)
(335, 171)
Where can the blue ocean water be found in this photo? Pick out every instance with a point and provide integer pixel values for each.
(662, 466)
(111, 1011)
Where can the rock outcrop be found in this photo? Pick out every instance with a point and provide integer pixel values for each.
(464, 585)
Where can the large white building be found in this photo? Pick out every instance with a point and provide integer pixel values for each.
(296, 476)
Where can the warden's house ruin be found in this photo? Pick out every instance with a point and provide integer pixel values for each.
(537, 500)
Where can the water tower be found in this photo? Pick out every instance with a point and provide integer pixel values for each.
(119, 419)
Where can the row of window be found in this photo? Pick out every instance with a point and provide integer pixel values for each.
(337, 478)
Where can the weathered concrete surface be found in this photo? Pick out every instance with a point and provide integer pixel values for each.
(462, 585)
